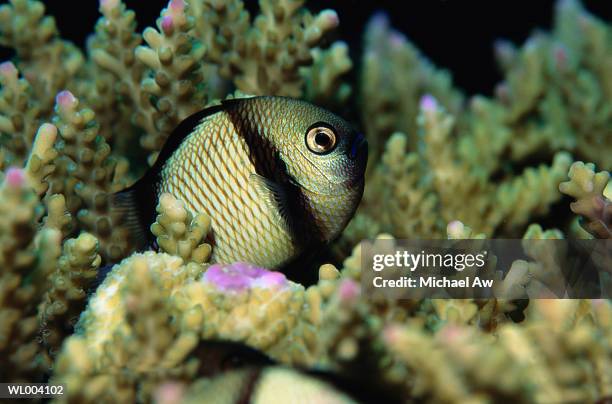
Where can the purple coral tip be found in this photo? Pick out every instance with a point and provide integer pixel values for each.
(8, 69)
(428, 103)
(329, 18)
(167, 23)
(241, 276)
(349, 290)
(397, 39)
(177, 5)
(15, 177)
(65, 99)
(454, 227)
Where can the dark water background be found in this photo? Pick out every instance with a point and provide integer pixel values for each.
(455, 34)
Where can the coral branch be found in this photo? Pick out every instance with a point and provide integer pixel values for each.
(587, 187)
(48, 62)
(19, 115)
(89, 172)
(174, 79)
(265, 57)
(19, 214)
(42, 155)
(180, 233)
(64, 302)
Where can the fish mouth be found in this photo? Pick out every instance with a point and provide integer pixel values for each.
(359, 147)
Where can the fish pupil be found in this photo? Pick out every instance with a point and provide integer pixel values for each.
(322, 139)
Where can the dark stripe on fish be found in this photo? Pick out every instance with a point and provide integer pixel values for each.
(266, 160)
(246, 395)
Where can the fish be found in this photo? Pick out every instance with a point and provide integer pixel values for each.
(233, 372)
(276, 175)
(260, 385)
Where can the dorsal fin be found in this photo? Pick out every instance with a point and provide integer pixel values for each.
(184, 129)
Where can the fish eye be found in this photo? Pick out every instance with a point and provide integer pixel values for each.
(320, 139)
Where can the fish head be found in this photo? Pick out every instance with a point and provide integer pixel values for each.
(322, 152)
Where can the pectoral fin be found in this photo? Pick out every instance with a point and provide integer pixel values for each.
(275, 197)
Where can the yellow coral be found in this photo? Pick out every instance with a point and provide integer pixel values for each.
(180, 233)
(587, 187)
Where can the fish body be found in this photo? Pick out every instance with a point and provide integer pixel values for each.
(275, 175)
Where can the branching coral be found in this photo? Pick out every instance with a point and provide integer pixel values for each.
(19, 212)
(179, 233)
(90, 173)
(554, 99)
(64, 302)
(19, 115)
(529, 363)
(394, 76)
(160, 324)
(421, 192)
(172, 55)
(587, 187)
(42, 157)
(265, 56)
(332, 325)
(138, 314)
(558, 92)
(48, 62)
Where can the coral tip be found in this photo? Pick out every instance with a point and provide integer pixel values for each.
(65, 99)
(15, 177)
(428, 103)
(240, 276)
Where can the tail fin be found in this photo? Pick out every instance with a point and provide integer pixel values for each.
(135, 218)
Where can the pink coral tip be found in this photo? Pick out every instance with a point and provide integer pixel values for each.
(169, 392)
(167, 23)
(240, 276)
(349, 290)
(392, 334)
(177, 5)
(65, 99)
(15, 177)
(561, 57)
(329, 18)
(428, 103)
(397, 39)
(451, 333)
(47, 130)
(454, 228)
(8, 70)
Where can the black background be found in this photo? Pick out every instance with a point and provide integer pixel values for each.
(454, 34)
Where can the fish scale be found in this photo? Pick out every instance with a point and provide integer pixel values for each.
(250, 165)
(273, 242)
